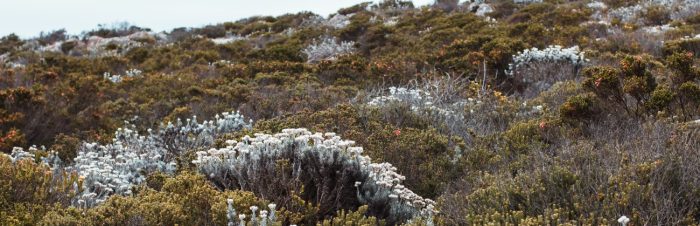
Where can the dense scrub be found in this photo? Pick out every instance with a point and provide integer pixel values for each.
(485, 112)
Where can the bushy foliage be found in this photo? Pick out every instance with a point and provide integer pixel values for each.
(629, 87)
(327, 49)
(114, 168)
(450, 102)
(29, 190)
(579, 107)
(540, 69)
(326, 167)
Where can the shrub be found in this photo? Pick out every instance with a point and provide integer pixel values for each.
(327, 49)
(66, 147)
(328, 169)
(186, 199)
(682, 45)
(682, 66)
(283, 53)
(540, 69)
(31, 189)
(9, 42)
(689, 97)
(656, 15)
(212, 31)
(603, 81)
(634, 78)
(579, 107)
(12, 138)
(661, 99)
(352, 218)
(353, 67)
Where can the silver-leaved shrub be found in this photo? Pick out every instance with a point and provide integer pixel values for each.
(114, 168)
(324, 164)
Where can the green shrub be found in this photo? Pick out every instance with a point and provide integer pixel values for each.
(580, 107)
(634, 78)
(9, 42)
(682, 46)
(66, 147)
(661, 99)
(28, 190)
(682, 66)
(689, 97)
(656, 15)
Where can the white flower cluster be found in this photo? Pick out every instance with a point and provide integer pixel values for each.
(480, 8)
(597, 5)
(550, 54)
(660, 29)
(627, 14)
(133, 72)
(220, 63)
(241, 160)
(678, 9)
(18, 153)
(400, 94)
(7, 63)
(338, 21)
(420, 101)
(229, 38)
(117, 78)
(391, 21)
(691, 37)
(98, 46)
(114, 168)
(328, 49)
(527, 1)
(266, 217)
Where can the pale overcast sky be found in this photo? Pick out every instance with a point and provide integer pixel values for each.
(27, 18)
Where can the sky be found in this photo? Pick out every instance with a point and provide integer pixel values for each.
(27, 18)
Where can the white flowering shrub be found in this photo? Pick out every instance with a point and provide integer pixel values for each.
(553, 53)
(421, 102)
(229, 38)
(627, 14)
(539, 69)
(660, 29)
(328, 48)
(266, 217)
(443, 102)
(527, 1)
(96, 46)
(338, 21)
(7, 62)
(330, 170)
(112, 78)
(114, 168)
(436, 100)
(133, 72)
(391, 21)
(677, 9)
(99, 46)
(597, 5)
(480, 7)
(691, 37)
(117, 78)
(18, 153)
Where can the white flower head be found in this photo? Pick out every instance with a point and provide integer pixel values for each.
(623, 220)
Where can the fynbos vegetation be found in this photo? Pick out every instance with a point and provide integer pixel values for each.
(481, 112)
